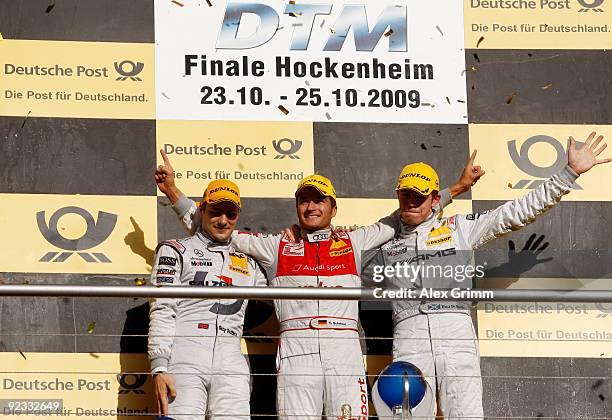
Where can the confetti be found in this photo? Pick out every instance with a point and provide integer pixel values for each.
(389, 32)
(423, 146)
(509, 185)
(50, 6)
(439, 132)
(332, 31)
(140, 281)
(476, 57)
(240, 166)
(436, 146)
(448, 99)
(21, 353)
(94, 355)
(601, 397)
(547, 86)
(479, 41)
(25, 119)
(597, 384)
(283, 109)
(176, 2)
(322, 23)
(511, 97)
(91, 327)
(307, 83)
(165, 96)
(439, 30)
(327, 116)
(461, 101)
(473, 87)
(473, 68)
(209, 3)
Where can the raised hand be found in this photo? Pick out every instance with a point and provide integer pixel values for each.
(470, 176)
(583, 159)
(164, 175)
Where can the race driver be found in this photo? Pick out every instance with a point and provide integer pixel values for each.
(438, 337)
(320, 360)
(194, 344)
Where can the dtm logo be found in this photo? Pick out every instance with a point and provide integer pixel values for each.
(97, 232)
(590, 5)
(131, 382)
(522, 161)
(129, 70)
(353, 16)
(287, 148)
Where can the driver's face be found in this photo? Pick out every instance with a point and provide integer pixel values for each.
(414, 207)
(219, 220)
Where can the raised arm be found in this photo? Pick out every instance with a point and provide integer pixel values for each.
(513, 215)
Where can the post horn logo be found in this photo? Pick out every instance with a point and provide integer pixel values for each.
(290, 149)
(522, 161)
(590, 5)
(97, 232)
(129, 70)
(131, 382)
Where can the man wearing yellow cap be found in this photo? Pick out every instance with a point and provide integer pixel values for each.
(438, 336)
(194, 344)
(320, 359)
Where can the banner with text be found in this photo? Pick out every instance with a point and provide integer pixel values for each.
(265, 159)
(376, 61)
(77, 79)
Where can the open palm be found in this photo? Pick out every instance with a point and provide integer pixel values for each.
(583, 159)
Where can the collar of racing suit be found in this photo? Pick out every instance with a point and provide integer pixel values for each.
(317, 235)
(210, 243)
(407, 230)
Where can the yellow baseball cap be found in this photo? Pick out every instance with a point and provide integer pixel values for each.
(419, 177)
(320, 183)
(222, 190)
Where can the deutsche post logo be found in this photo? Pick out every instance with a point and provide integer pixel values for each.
(130, 382)
(287, 148)
(522, 161)
(590, 5)
(129, 70)
(97, 232)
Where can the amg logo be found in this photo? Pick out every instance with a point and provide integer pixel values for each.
(429, 255)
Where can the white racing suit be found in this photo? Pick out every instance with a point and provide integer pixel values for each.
(438, 337)
(320, 359)
(198, 340)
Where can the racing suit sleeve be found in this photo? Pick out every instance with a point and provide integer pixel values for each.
(445, 199)
(260, 276)
(186, 210)
(264, 248)
(513, 215)
(162, 314)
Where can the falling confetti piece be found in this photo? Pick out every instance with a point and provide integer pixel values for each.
(436, 146)
(473, 68)
(21, 353)
(91, 327)
(389, 32)
(327, 116)
(476, 57)
(473, 87)
(423, 146)
(209, 3)
(479, 41)
(597, 384)
(601, 397)
(439, 30)
(547, 86)
(50, 6)
(140, 282)
(332, 31)
(283, 109)
(25, 119)
(94, 355)
(322, 23)
(439, 132)
(461, 101)
(307, 83)
(509, 185)
(529, 54)
(165, 96)
(448, 99)
(176, 2)
(511, 97)
(240, 166)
